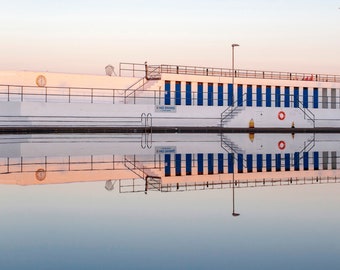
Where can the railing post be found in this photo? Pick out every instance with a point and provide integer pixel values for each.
(7, 92)
(69, 95)
(22, 93)
(45, 94)
(91, 95)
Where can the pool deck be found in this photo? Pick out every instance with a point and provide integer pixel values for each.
(139, 129)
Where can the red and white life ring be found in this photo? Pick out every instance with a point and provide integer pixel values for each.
(281, 145)
(281, 115)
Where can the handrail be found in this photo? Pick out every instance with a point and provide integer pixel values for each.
(133, 91)
(67, 94)
(140, 172)
(230, 109)
(225, 72)
(307, 112)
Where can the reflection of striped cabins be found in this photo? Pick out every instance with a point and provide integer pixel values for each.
(219, 94)
(199, 164)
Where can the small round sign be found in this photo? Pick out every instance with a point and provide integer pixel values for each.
(40, 174)
(41, 81)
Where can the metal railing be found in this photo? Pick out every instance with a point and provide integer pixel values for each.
(133, 69)
(138, 185)
(19, 93)
(253, 74)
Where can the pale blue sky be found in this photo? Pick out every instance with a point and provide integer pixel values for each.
(84, 36)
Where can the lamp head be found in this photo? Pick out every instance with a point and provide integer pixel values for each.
(234, 45)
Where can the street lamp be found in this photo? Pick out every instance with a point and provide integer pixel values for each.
(233, 62)
(234, 213)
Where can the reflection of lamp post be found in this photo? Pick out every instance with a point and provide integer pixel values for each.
(234, 213)
(233, 62)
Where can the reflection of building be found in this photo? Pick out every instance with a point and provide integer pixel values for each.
(173, 162)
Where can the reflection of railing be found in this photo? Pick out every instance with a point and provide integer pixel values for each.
(55, 164)
(240, 73)
(139, 186)
(134, 167)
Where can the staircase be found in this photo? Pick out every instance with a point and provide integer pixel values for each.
(228, 145)
(232, 111)
(307, 113)
(141, 170)
(132, 92)
(153, 72)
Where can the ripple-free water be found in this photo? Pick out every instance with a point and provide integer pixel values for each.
(68, 202)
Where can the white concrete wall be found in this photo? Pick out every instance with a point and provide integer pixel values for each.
(50, 113)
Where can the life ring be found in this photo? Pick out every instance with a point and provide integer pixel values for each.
(281, 145)
(40, 174)
(281, 115)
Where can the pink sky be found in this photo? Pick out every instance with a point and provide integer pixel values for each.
(85, 36)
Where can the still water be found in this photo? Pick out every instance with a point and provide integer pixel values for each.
(148, 201)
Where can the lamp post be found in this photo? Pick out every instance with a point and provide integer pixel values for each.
(233, 62)
(234, 213)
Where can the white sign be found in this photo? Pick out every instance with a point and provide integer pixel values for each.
(165, 149)
(165, 108)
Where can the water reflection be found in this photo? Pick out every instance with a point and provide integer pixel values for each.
(132, 163)
(137, 202)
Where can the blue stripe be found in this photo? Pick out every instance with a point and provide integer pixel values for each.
(167, 97)
(178, 93)
(188, 98)
(220, 165)
(305, 97)
(200, 165)
(277, 96)
(259, 96)
(178, 163)
(259, 162)
(250, 163)
(167, 165)
(305, 161)
(316, 160)
(287, 162)
(278, 162)
(296, 161)
(200, 94)
(230, 163)
(210, 163)
(240, 163)
(188, 164)
(220, 94)
(249, 95)
(286, 101)
(230, 95)
(269, 162)
(240, 95)
(210, 94)
(316, 98)
(296, 97)
(268, 96)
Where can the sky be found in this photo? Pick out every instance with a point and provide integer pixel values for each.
(84, 36)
